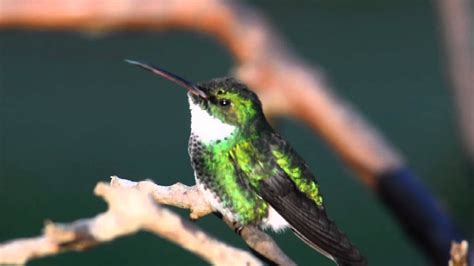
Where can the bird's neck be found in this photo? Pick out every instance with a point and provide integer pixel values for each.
(212, 131)
(209, 129)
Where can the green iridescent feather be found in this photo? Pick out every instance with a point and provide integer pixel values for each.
(236, 194)
(244, 108)
(240, 168)
(303, 183)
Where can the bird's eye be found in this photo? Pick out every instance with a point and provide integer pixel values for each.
(224, 102)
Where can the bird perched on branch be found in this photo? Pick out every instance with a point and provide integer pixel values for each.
(248, 173)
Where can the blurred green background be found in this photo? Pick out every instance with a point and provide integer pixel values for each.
(73, 113)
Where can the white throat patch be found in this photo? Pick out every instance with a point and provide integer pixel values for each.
(206, 127)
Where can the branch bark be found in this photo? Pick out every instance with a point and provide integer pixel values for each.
(187, 197)
(456, 25)
(132, 207)
(129, 210)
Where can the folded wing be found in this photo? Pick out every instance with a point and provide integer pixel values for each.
(300, 205)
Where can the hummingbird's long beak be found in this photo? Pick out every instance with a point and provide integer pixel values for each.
(172, 77)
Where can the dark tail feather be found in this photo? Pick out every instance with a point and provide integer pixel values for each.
(359, 260)
(309, 221)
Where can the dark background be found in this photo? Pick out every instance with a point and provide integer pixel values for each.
(73, 113)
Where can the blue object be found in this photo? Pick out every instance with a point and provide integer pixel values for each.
(419, 213)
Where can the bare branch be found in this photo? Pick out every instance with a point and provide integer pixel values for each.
(177, 195)
(456, 25)
(459, 253)
(129, 210)
(186, 197)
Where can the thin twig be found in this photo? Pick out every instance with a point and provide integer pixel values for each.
(459, 253)
(130, 210)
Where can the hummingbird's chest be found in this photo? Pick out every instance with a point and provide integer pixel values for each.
(223, 183)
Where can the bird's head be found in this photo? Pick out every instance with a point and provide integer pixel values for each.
(228, 100)
(225, 99)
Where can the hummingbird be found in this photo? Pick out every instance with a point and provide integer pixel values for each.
(249, 173)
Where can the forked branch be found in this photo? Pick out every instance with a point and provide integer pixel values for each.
(133, 207)
(187, 197)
